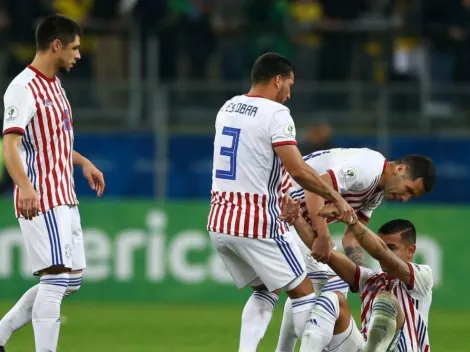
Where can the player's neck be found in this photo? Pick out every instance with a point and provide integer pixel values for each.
(45, 65)
(260, 92)
(386, 174)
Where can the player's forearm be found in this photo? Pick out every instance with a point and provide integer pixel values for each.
(79, 159)
(310, 180)
(352, 248)
(306, 232)
(14, 166)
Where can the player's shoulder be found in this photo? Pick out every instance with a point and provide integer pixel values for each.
(20, 83)
(421, 268)
(269, 106)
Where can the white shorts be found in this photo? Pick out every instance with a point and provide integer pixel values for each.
(320, 272)
(350, 340)
(54, 238)
(277, 263)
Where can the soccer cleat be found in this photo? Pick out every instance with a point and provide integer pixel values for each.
(2, 349)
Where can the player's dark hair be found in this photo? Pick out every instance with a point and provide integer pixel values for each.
(56, 27)
(404, 227)
(420, 166)
(270, 65)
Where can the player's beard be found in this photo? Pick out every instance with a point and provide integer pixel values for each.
(281, 95)
(63, 67)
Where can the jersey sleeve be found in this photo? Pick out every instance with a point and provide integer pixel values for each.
(366, 212)
(282, 129)
(19, 109)
(357, 175)
(421, 281)
(362, 275)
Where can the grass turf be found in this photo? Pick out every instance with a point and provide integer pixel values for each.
(97, 327)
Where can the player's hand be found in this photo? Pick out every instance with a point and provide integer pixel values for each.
(346, 212)
(28, 202)
(321, 249)
(290, 210)
(94, 177)
(330, 211)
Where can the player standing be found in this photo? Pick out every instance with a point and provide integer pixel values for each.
(39, 156)
(254, 135)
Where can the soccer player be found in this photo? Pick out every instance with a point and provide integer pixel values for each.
(39, 156)
(254, 135)
(395, 300)
(364, 178)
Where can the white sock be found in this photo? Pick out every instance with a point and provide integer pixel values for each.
(319, 280)
(301, 308)
(320, 326)
(18, 316)
(75, 282)
(255, 319)
(46, 311)
(382, 325)
(21, 313)
(287, 336)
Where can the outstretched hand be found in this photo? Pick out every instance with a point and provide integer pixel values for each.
(290, 210)
(331, 212)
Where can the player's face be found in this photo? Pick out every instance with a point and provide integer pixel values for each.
(401, 248)
(284, 85)
(69, 55)
(401, 188)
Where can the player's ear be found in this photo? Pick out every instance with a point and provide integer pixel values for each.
(400, 169)
(412, 249)
(55, 46)
(278, 81)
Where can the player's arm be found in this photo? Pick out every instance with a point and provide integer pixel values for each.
(94, 176)
(377, 248)
(352, 248)
(11, 156)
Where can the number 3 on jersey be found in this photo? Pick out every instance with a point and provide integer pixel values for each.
(231, 152)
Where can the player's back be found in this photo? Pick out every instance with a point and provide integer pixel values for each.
(37, 108)
(246, 172)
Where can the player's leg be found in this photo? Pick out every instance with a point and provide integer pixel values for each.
(48, 239)
(21, 313)
(243, 276)
(287, 337)
(329, 316)
(386, 321)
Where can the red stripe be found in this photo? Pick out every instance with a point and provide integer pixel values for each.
(239, 215)
(211, 213)
(357, 278)
(256, 217)
(279, 144)
(412, 306)
(15, 130)
(246, 227)
(333, 179)
(426, 349)
(223, 205)
(51, 146)
(372, 187)
(372, 297)
(363, 216)
(405, 311)
(38, 155)
(232, 210)
(68, 152)
(216, 217)
(60, 135)
(265, 218)
(411, 286)
(44, 150)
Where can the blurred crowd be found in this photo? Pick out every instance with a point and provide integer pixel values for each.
(328, 40)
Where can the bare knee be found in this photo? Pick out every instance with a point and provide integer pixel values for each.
(305, 288)
(54, 270)
(344, 316)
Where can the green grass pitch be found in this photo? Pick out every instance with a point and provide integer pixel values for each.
(97, 327)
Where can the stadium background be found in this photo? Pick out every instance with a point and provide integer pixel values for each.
(391, 75)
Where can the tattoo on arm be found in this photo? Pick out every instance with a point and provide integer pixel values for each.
(356, 254)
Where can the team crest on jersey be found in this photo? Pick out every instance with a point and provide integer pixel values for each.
(11, 113)
(348, 173)
(47, 103)
(289, 130)
(67, 123)
(67, 251)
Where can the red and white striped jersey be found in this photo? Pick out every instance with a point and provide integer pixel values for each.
(355, 173)
(37, 108)
(247, 173)
(415, 301)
